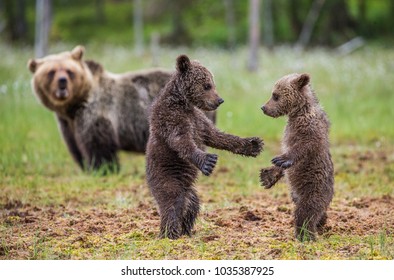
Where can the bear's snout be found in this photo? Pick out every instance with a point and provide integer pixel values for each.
(217, 103)
(62, 82)
(62, 92)
(268, 111)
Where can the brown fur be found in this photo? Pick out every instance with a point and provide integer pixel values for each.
(98, 112)
(179, 133)
(306, 159)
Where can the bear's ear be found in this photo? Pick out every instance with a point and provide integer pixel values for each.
(77, 52)
(302, 80)
(32, 64)
(183, 63)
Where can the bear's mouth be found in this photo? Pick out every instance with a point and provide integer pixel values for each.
(271, 114)
(211, 106)
(61, 94)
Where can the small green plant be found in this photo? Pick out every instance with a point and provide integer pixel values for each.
(305, 234)
(386, 247)
(38, 246)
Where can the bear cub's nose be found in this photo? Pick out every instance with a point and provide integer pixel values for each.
(220, 101)
(62, 82)
(263, 108)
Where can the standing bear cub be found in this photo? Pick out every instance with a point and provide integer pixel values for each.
(179, 133)
(306, 158)
(98, 112)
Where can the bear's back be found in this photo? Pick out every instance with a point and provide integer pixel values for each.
(125, 100)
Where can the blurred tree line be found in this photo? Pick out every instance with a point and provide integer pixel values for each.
(222, 23)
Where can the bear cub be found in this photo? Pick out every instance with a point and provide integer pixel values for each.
(179, 133)
(306, 159)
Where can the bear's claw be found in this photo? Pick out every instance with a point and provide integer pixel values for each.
(254, 146)
(282, 161)
(209, 164)
(270, 176)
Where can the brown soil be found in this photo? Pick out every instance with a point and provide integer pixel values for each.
(253, 226)
(257, 219)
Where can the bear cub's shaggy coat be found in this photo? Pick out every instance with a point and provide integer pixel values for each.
(306, 158)
(179, 132)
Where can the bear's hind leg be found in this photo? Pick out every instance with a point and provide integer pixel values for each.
(171, 206)
(170, 224)
(98, 144)
(321, 223)
(306, 218)
(192, 208)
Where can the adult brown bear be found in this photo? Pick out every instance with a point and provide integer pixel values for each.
(98, 112)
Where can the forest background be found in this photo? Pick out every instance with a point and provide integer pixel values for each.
(197, 23)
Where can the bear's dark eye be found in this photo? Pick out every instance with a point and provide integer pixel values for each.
(51, 74)
(275, 97)
(71, 74)
(207, 86)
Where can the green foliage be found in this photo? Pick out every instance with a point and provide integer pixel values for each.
(81, 24)
(205, 23)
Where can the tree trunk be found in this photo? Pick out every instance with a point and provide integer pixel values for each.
(2, 21)
(179, 34)
(230, 20)
(43, 25)
(254, 35)
(309, 24)
(268, 34)
(138, 27)
(155, 48)
(362, 15)
(21, 27)
(362, 10)
(100, 11)
(338, 24)
(15, 19)
(294, 16)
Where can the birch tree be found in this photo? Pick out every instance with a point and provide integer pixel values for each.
(138, 27)
(254, 35)
(43, 25)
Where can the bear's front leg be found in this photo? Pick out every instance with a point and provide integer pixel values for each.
(283, 161)
(243, 146)
(69, 139)
(251, 146)
(217, 139)
(270, 176)
(205, 162)
(97, 143)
